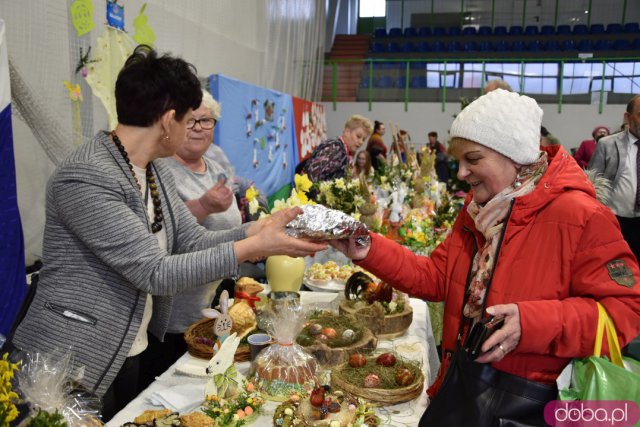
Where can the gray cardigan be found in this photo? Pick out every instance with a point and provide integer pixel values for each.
(606, 157)
(101, 259)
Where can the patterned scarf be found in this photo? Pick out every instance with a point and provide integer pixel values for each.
(489, 220)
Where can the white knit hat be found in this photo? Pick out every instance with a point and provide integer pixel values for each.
(503, 121)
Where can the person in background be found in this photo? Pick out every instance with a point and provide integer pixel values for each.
(362, 165)
(119, 242)
(617, 158)
(376, 147)
(332, 159)
(546, 138)
(442, 162)
(496, 84)
(526, 206)
(588, 146)
(401, 143)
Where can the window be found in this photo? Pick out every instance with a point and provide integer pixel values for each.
(371, 8)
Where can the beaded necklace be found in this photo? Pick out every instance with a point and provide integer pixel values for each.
(151, 180)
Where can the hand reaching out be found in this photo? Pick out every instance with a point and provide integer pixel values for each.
(217, 199)
(350, 249)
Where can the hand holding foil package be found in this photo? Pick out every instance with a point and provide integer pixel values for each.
(321, 223)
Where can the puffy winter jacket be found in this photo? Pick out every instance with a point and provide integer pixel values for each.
(560, 253)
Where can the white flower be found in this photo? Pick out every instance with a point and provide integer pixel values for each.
(253, 206)
(392, 306)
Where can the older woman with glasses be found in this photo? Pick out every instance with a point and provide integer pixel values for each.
(201, 183)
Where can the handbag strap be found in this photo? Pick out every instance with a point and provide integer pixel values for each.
(606, 323)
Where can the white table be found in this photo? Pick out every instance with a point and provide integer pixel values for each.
(418, 337)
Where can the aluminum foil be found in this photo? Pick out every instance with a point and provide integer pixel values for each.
(321, 223)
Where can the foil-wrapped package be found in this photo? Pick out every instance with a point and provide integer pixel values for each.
(321, 223)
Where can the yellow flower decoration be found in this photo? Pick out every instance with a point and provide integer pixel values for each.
(251, 194)
(303, 183)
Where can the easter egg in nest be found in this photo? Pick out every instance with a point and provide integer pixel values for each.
(357, 360)
(371, 381)
(404, 377)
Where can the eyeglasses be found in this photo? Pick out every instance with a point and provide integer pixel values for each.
(205, 123)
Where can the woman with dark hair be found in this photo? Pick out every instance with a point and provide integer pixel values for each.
(376, 148)
(362, 165)
(119, 242)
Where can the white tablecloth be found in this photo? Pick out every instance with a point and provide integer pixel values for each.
(418, 341)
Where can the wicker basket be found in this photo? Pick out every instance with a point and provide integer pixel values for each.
(380, 395)
(204, 328)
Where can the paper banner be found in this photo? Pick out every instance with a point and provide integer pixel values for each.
(82, 16)
(311, 126)
(144, 33)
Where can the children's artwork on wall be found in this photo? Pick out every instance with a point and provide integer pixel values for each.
(115, 15)
(311, 126)
(144, 33)
(82, 16)
(254, 134)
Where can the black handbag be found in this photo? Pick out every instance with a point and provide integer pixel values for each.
(478, 395)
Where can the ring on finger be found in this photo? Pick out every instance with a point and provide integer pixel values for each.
(502, 348)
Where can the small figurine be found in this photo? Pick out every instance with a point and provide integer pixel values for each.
(224, 379)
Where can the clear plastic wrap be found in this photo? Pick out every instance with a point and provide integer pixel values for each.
(284, 367)
(48, 382)
(319, 222)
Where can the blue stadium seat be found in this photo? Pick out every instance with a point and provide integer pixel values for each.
(470, 46)
(551, 46)
(585, 45)
(408, 47)
(439, 31)
(380, 32)
(563, 29)
(580, 29)
(596, 29)
(636, 44)
(518, 46)
(424, 31)
(418, 65)
(384, 82)
(401, 82)
(531, 30)
(422, 47)
(547, 30)
(534, 46)
(500, 31)
(614, 28)
(454, 47)
(486, 46)
(485, 31)
(394, 47)
(469, 31)
(410, 32)
(568, 45)
(516, 30)
(438, 47)
(377, 47)
(631, 27)
(395, 32)
(418, 82)
(622, 45)
(502, 46)
(364, 82)
(455, 31)
(602, 44)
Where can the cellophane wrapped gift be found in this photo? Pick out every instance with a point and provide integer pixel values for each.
(284, 367)
(321, 223)
(49, 382)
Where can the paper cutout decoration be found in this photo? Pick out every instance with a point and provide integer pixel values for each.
(82, 16)
(115, 15)
(112, 49)
(75, 95)
(144, 32)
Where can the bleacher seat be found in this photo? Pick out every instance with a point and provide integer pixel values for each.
(502, 46)
(534, 46)
(636, 44)
(602, 44)
(380, 32)
(408, 47)
(518, 46)
(394, 47)
(516, 30)
(631, 27)
(438, 46)
(531, 30)
(422, 47)
(418, 82)
(486, 46)
(585, 45)
(401, 82)
(500, 31)
(596, 29)
(364, 83)
(384, 82)
(547, 30)
(622, 45)
(377, 47)
(410, 32)
(418, 65)
(469, 31)
(439, 31)
(395, 32)
(484, 31)
(424, 31)
(454, 31)
(454, 47)
(551, 46)
(568, 45)
(563, 29)
(580, 29)
(470, 46)
(614, 28)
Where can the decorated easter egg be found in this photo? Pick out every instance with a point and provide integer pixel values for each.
(404, 377)
(386, 359)
(357, 360)
(371, 381)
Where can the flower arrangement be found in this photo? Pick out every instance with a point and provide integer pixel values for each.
(298, 197)
(8, 397)
(341, 194)
(236, 412)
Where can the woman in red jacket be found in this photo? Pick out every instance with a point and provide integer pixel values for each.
(532, 245)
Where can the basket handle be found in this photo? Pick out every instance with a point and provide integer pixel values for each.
(606, 323)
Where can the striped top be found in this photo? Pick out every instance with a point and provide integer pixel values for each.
(101, 259)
